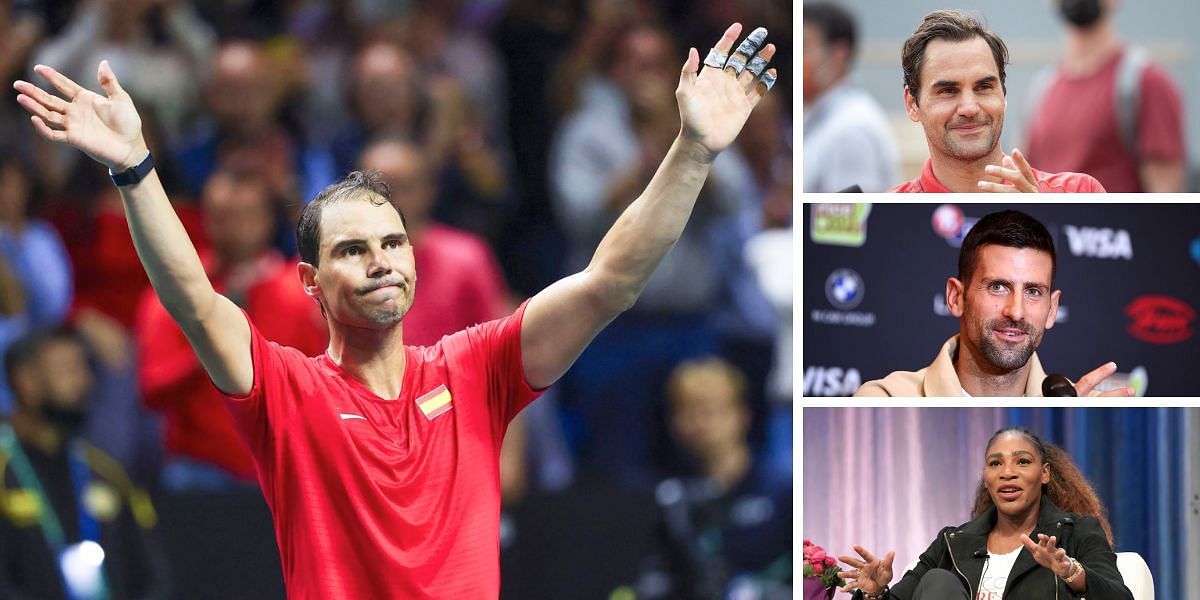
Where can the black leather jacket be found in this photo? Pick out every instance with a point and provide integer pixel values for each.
(956, 549)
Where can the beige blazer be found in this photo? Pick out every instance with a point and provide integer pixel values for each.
(940, 378)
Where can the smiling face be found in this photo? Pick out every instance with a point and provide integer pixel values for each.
(1006, 307)
(961, 102)
(366, 276)
(1014, 474)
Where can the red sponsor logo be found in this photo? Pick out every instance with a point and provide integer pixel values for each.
(1160, 319)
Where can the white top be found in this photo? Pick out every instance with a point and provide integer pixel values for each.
(995, 575)
(847, 141)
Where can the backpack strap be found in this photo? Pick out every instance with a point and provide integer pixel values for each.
(1127, 94)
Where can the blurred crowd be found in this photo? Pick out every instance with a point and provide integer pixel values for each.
(511, 134)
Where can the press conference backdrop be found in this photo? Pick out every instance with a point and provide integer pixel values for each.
(875, 279)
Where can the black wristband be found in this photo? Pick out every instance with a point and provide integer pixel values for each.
(134, 175)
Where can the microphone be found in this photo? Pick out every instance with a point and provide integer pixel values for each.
(1057, 386)
(854, 189)
(981, 553)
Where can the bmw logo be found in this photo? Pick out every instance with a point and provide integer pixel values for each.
(844, 289)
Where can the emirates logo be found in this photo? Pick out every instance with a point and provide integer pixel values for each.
(1159, 319)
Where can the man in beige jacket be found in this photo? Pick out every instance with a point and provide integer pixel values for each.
(1004, 300)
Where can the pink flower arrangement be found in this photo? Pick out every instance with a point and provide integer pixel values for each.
(820, 565)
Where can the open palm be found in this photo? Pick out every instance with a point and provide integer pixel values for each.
(108, 128)
(715, 103)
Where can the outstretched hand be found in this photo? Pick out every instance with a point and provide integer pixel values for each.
(714, 103)
(870, 574)
(1047, 553)
(108, 128)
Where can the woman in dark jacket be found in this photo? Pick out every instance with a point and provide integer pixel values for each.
(995, 555)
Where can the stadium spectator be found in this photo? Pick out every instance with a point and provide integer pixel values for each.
(726, 523)
(65, 500)
(239, 220)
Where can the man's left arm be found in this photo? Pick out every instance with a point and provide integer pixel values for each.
(714, 103)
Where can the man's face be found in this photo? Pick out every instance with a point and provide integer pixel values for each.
(708, 420)
(1007, 305)
(366, 277)
(961, 103)
(239, 218)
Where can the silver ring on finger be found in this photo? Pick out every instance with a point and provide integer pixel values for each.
(716, 59)
(757, 65)
(736, 64)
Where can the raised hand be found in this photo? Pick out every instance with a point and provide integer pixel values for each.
(108, 128)
(1047, 553)
(870, 574)
(714, 103)
(1016, 171)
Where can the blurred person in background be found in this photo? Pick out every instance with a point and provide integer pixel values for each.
(434, 110)
(244, 98)
(165, 42)
(726, 522)
(21, 29)
(847, 140)
(603, 154)
(73, 524)
(1106, 109)
(954, 86)
(240, 218)
(34, 255)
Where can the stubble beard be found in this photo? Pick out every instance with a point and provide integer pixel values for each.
(1007, 357)
(972, 150)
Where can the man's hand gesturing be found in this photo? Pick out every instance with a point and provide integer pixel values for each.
(108, 128)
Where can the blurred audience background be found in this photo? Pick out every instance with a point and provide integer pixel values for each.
(512, 133)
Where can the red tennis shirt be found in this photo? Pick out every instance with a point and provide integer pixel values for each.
(387, 498)
(1047, 183)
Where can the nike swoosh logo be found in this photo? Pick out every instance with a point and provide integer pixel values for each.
(347, 417)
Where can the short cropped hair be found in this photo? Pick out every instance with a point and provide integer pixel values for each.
(360, 185)
(1010, 228)
(834, 22)
(952, 26)
(702, 373)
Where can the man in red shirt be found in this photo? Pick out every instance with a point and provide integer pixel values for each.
(239, 224)
(1107, 110)
(954, 87)
(379, 460)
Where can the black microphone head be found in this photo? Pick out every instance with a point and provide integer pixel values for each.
(1055, 385)
(854, 189)
(981, 553)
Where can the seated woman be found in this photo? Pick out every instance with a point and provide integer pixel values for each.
(994, 556)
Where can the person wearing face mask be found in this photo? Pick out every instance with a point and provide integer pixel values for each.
(1037, 532)
(72, 525)
(1106, 110)
(846, 136)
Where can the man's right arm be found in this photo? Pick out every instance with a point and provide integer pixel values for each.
(108, 129)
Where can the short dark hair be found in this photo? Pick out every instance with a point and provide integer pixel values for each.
(367, 185)
(1010, 228)
(952, 26)
(25, 349)
(835, 23)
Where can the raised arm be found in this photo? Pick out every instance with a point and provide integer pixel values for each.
(714, 103)
(108, 129)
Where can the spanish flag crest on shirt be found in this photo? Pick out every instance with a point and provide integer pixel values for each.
(435, 402)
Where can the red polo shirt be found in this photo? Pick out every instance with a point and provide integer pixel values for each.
(1047, 183)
